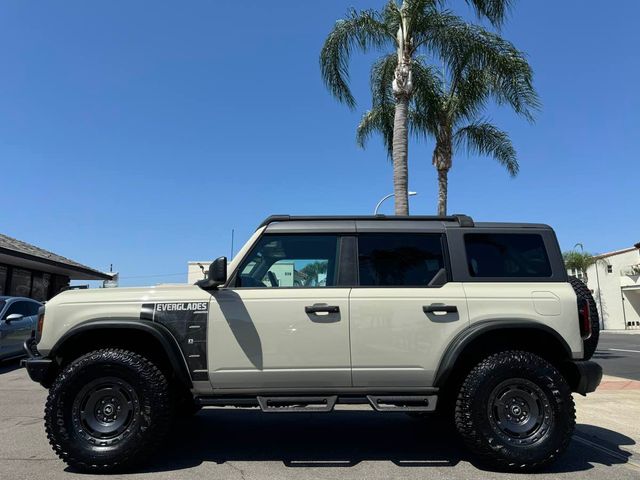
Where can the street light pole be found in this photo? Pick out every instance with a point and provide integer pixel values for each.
(375, 211)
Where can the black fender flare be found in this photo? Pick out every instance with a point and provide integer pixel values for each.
(467, 336)
(159, 332)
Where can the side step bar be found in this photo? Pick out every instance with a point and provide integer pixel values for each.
(323, 403)
(297, 404)
(403, 403)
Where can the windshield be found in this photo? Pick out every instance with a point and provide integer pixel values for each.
(2, 302)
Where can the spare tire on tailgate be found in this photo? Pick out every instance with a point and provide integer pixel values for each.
(582, 291)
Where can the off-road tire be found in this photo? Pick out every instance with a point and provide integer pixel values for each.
(482, 424)
(124, 379)
(582, 291)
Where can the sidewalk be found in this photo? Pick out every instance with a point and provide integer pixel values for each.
(621, 332)
(609, 418)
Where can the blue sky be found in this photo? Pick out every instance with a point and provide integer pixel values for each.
(140, 133)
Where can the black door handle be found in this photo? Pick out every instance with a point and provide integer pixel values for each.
(439, 308)
(322, 308)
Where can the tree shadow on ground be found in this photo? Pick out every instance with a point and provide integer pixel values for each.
(339, 439)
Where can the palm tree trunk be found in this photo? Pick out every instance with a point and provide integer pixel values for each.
(442, 191)
(400, 155)
(442, 158)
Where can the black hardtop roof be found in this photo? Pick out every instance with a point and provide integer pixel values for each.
(455, 220)
(459, 218)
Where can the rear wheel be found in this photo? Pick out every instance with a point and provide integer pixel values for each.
(515, 411)
(106, 410)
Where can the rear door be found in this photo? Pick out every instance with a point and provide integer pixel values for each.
(405, 310)
(285, 321)
(517, 275)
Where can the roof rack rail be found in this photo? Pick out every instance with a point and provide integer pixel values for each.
(462, 220)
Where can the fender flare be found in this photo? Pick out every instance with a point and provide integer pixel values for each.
(159, 332)
(467, 336)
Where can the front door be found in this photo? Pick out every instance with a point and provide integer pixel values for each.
(284, 322)
(13, 333)
(404, 312)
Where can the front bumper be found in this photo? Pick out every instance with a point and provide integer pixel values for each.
(39, 368)
(585, 376)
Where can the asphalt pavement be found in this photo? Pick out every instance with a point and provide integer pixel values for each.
(619, 354)
(345, 444)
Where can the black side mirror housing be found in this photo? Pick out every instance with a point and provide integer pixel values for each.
(217, 275)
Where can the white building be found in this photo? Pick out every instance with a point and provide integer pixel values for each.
(197, 270)
(614, 281)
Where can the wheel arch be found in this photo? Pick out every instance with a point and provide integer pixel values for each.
(142, 336)
(491, 336)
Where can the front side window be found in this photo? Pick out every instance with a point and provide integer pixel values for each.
(399, 259)
(506, 255)
(304, 261)
(23, 308)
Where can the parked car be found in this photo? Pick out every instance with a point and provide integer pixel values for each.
(18, 318)
(406, 314)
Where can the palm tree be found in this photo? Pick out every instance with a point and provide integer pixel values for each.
(448, 103)
(580, 261)
(407, 28)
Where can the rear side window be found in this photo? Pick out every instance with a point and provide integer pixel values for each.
(410, 260)
(506, 255)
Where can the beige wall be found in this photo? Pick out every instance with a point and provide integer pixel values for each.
(616, 300)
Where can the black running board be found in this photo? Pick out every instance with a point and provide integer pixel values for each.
(323, 403)
(403, 403)
(297, 404)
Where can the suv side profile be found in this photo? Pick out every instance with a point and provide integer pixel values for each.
(477, 321)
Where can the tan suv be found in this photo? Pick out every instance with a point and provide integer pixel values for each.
(411, 314)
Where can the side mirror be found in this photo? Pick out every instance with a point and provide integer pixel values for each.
(13, 317)
(217, 274)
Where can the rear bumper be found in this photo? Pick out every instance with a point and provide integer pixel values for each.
(39, 368)
(585, 376)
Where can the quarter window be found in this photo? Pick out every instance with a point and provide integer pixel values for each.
(506, 255)
(410, 260)
(304, 261)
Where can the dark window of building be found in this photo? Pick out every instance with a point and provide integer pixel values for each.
(20, 283)
(410, 260)
(609, 268)
(291, 261)
(40, 288)
(506, 255)
(3, 280)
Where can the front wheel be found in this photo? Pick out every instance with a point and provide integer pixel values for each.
(515, 411)
(106, 410)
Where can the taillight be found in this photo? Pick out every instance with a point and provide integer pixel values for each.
(40, 323)
(584, 316)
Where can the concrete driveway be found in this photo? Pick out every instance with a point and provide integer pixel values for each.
(346, 444)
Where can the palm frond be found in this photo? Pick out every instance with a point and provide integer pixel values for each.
(428, 98)
(469, 49)
(382, 74)
(390, 16)
(486, 139)
(377, 120)
(363, 30)
(495, 11)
